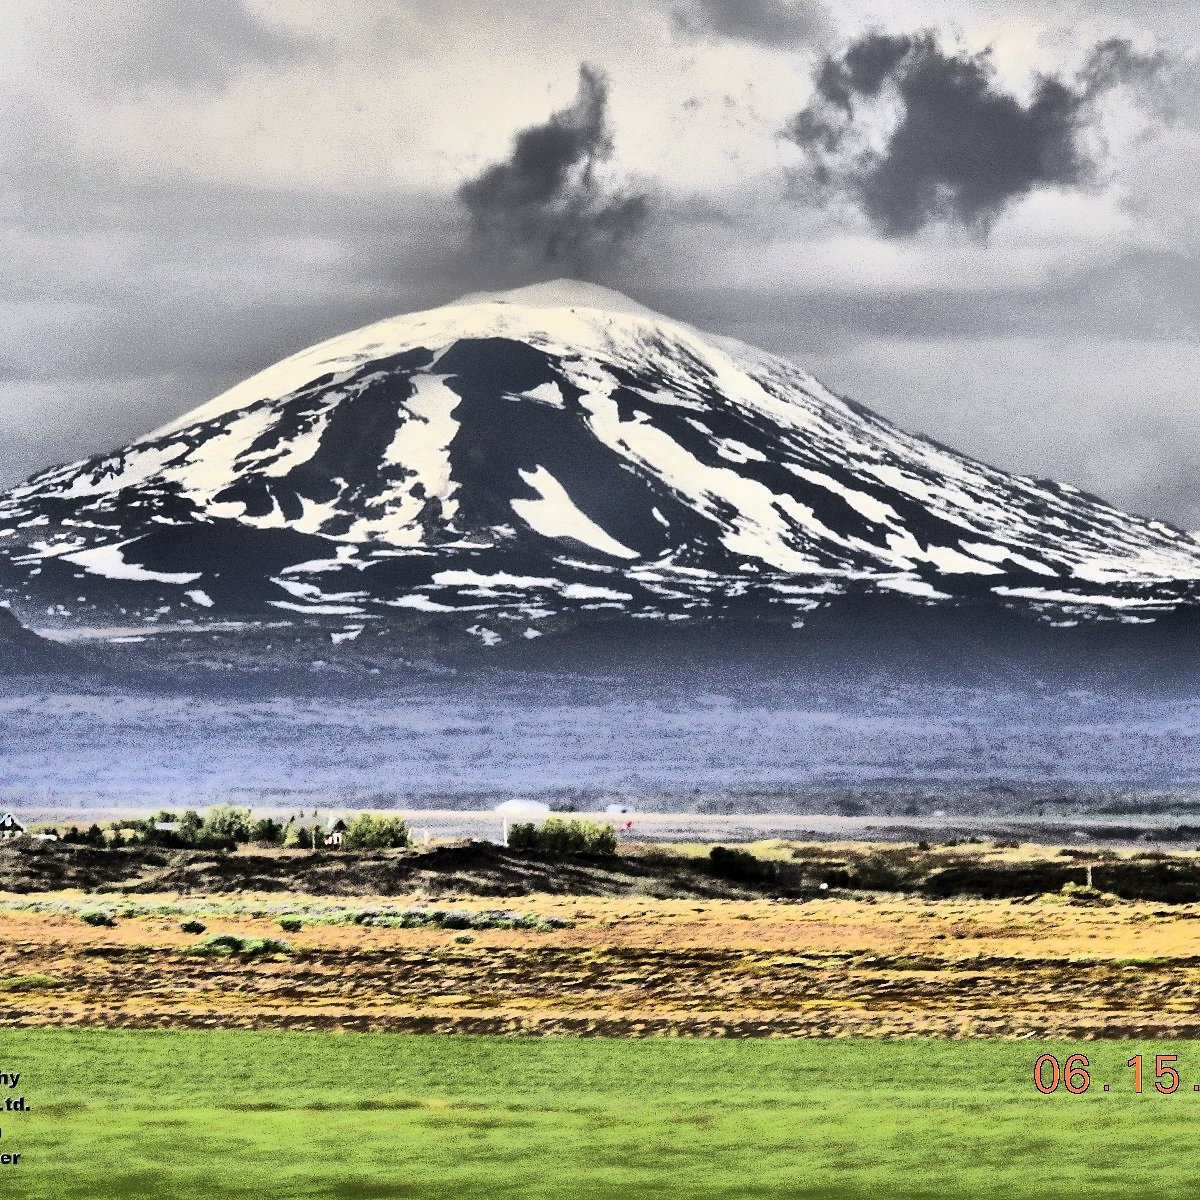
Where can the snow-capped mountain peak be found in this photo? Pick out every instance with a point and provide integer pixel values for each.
(522, 457)
(561, 294)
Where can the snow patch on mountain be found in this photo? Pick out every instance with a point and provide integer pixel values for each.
(554, 515)
(108, 562)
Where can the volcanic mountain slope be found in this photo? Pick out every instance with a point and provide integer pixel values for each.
(23, 653)
(520, 463)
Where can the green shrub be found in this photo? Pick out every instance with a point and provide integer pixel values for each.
(29, 983)
(523, 836)
(741, 866)
(268, 831)
(558, 837)
(1080, 893)
(291, 924)
(882, 873)
(441, 918)
(224, 945)
(297, 836)
(226, 826)
(96, 917)
(464, 939)
(193, 926)
(367, 832)
(190, 825)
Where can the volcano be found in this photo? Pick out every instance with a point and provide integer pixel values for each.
(530, 464)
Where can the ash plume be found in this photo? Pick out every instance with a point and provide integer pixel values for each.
(549, 200)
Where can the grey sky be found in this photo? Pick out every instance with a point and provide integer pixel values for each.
(189, 191)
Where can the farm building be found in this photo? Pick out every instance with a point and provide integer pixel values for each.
(10, 827)
(335, 832)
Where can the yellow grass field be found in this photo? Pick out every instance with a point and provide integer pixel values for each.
(873, 965)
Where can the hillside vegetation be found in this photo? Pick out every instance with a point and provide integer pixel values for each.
(572, 859)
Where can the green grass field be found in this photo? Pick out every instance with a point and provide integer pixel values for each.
(280, 1115)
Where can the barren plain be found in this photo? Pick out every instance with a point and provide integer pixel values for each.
(740, 961)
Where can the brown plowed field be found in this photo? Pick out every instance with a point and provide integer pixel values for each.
(875, 965)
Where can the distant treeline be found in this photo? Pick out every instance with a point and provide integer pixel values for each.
(225, 827)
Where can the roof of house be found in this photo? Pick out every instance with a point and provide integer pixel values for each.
(8, 821)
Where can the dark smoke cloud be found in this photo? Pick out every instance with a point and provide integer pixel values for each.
(768, 22)
(548, 201)
(963, 148)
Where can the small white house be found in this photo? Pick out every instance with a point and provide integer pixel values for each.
(522, 808)
(335, 832)
(10, 827)
(617, 810)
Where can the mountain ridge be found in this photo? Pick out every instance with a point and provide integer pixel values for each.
(516, 463)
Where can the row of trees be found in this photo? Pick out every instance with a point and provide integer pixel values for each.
(222, 827)
(225, 827)
(363, 832)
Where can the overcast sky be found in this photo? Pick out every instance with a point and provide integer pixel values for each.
(986, 230)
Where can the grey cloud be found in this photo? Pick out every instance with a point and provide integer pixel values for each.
(101, 357)
(963, 148)
(132, 295)
(42, 424)
(768, 22)
(548, 202)
(184, 45)
(1118, 61)
(1115, 417)
(1159, 80)
(1150, 295)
